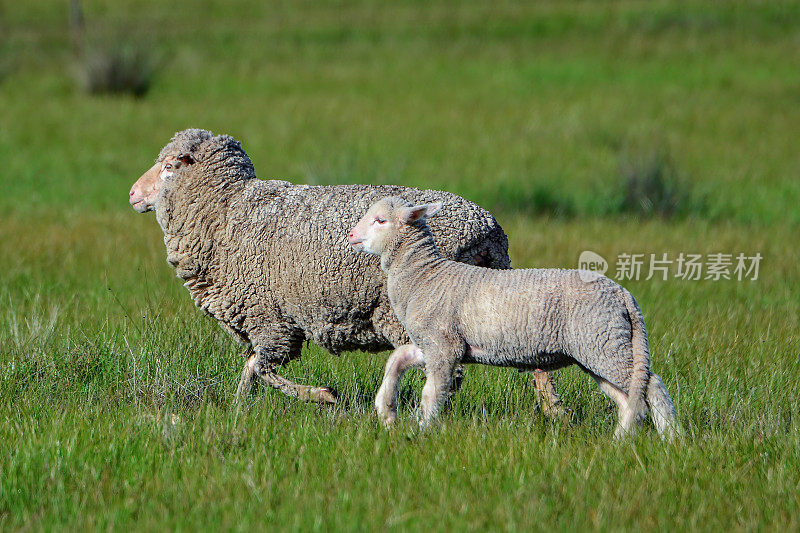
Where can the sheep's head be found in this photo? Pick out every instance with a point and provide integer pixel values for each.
(145, 191)
(190, 147)
(384, 220)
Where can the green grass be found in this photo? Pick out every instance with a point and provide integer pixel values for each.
(116, 395)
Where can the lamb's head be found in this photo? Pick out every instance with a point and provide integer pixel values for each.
(222, 154)
(384, 220)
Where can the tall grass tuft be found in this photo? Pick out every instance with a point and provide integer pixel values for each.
(537, 200)
(650, 184)
(5, 56)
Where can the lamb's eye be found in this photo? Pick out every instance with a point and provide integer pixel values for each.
(168, 166)
(380, 221)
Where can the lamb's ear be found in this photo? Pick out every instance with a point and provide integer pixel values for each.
(414, 213)
(434, 208)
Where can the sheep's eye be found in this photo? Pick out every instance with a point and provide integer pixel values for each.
(380, 221)
(168, 166)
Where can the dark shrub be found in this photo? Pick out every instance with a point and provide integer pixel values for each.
(117, 69)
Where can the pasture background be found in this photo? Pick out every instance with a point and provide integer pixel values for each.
(116, 395)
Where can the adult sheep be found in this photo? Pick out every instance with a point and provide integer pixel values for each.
(268, 259)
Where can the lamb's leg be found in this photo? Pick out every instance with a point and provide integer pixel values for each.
(246, 381)
(386, 323)
(545, 385)
(402, 359)
(661, 408)
(440, 361)
(626, 416)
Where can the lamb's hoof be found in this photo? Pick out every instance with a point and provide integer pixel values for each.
(387, 416)
(243, 392)
(242, 403)
(425, 423)
(322, 395)
(556, 411)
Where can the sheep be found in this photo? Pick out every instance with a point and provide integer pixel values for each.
(266, 260)
(544, 318)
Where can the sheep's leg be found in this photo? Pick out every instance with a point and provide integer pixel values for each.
(402, 359)
(440, 361)
(268, 372)
(661, 408)
(626, 417)
(458, 379)
(277, 343)
(271, 377)
(545, 385)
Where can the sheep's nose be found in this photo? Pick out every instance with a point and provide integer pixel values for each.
(132, 192)
(351, 235)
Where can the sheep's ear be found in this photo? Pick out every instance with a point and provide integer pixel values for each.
(186, 159)
(412, 214)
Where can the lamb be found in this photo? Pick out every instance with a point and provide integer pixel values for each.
(544, 318)
(266, 260)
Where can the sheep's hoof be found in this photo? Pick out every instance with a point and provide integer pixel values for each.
(322, 395)
(290, 388)
(556, 411)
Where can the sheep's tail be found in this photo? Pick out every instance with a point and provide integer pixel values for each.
(640, 375)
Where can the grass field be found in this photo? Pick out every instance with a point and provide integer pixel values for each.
(116, 395)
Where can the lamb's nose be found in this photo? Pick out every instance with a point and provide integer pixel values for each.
(132, 191)
(351, 235)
